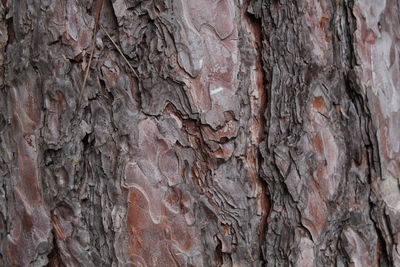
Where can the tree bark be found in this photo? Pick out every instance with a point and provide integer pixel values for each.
(200, 133)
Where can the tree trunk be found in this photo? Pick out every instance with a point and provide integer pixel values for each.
(200, 133)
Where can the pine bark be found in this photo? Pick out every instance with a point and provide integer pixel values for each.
(199, 133)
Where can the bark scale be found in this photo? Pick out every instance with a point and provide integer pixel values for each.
(239, 133)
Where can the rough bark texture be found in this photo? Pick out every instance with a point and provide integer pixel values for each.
(200, 133)
(331, 155)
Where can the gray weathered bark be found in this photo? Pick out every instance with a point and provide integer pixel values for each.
(331, 156)
(199, 133)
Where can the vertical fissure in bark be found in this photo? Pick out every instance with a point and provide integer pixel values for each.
(255, 25)
(54, 255)
(382, 245)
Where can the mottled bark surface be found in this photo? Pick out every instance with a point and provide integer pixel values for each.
(331, 155)
(199, 133)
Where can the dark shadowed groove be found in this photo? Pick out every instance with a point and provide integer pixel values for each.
(255, 26)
